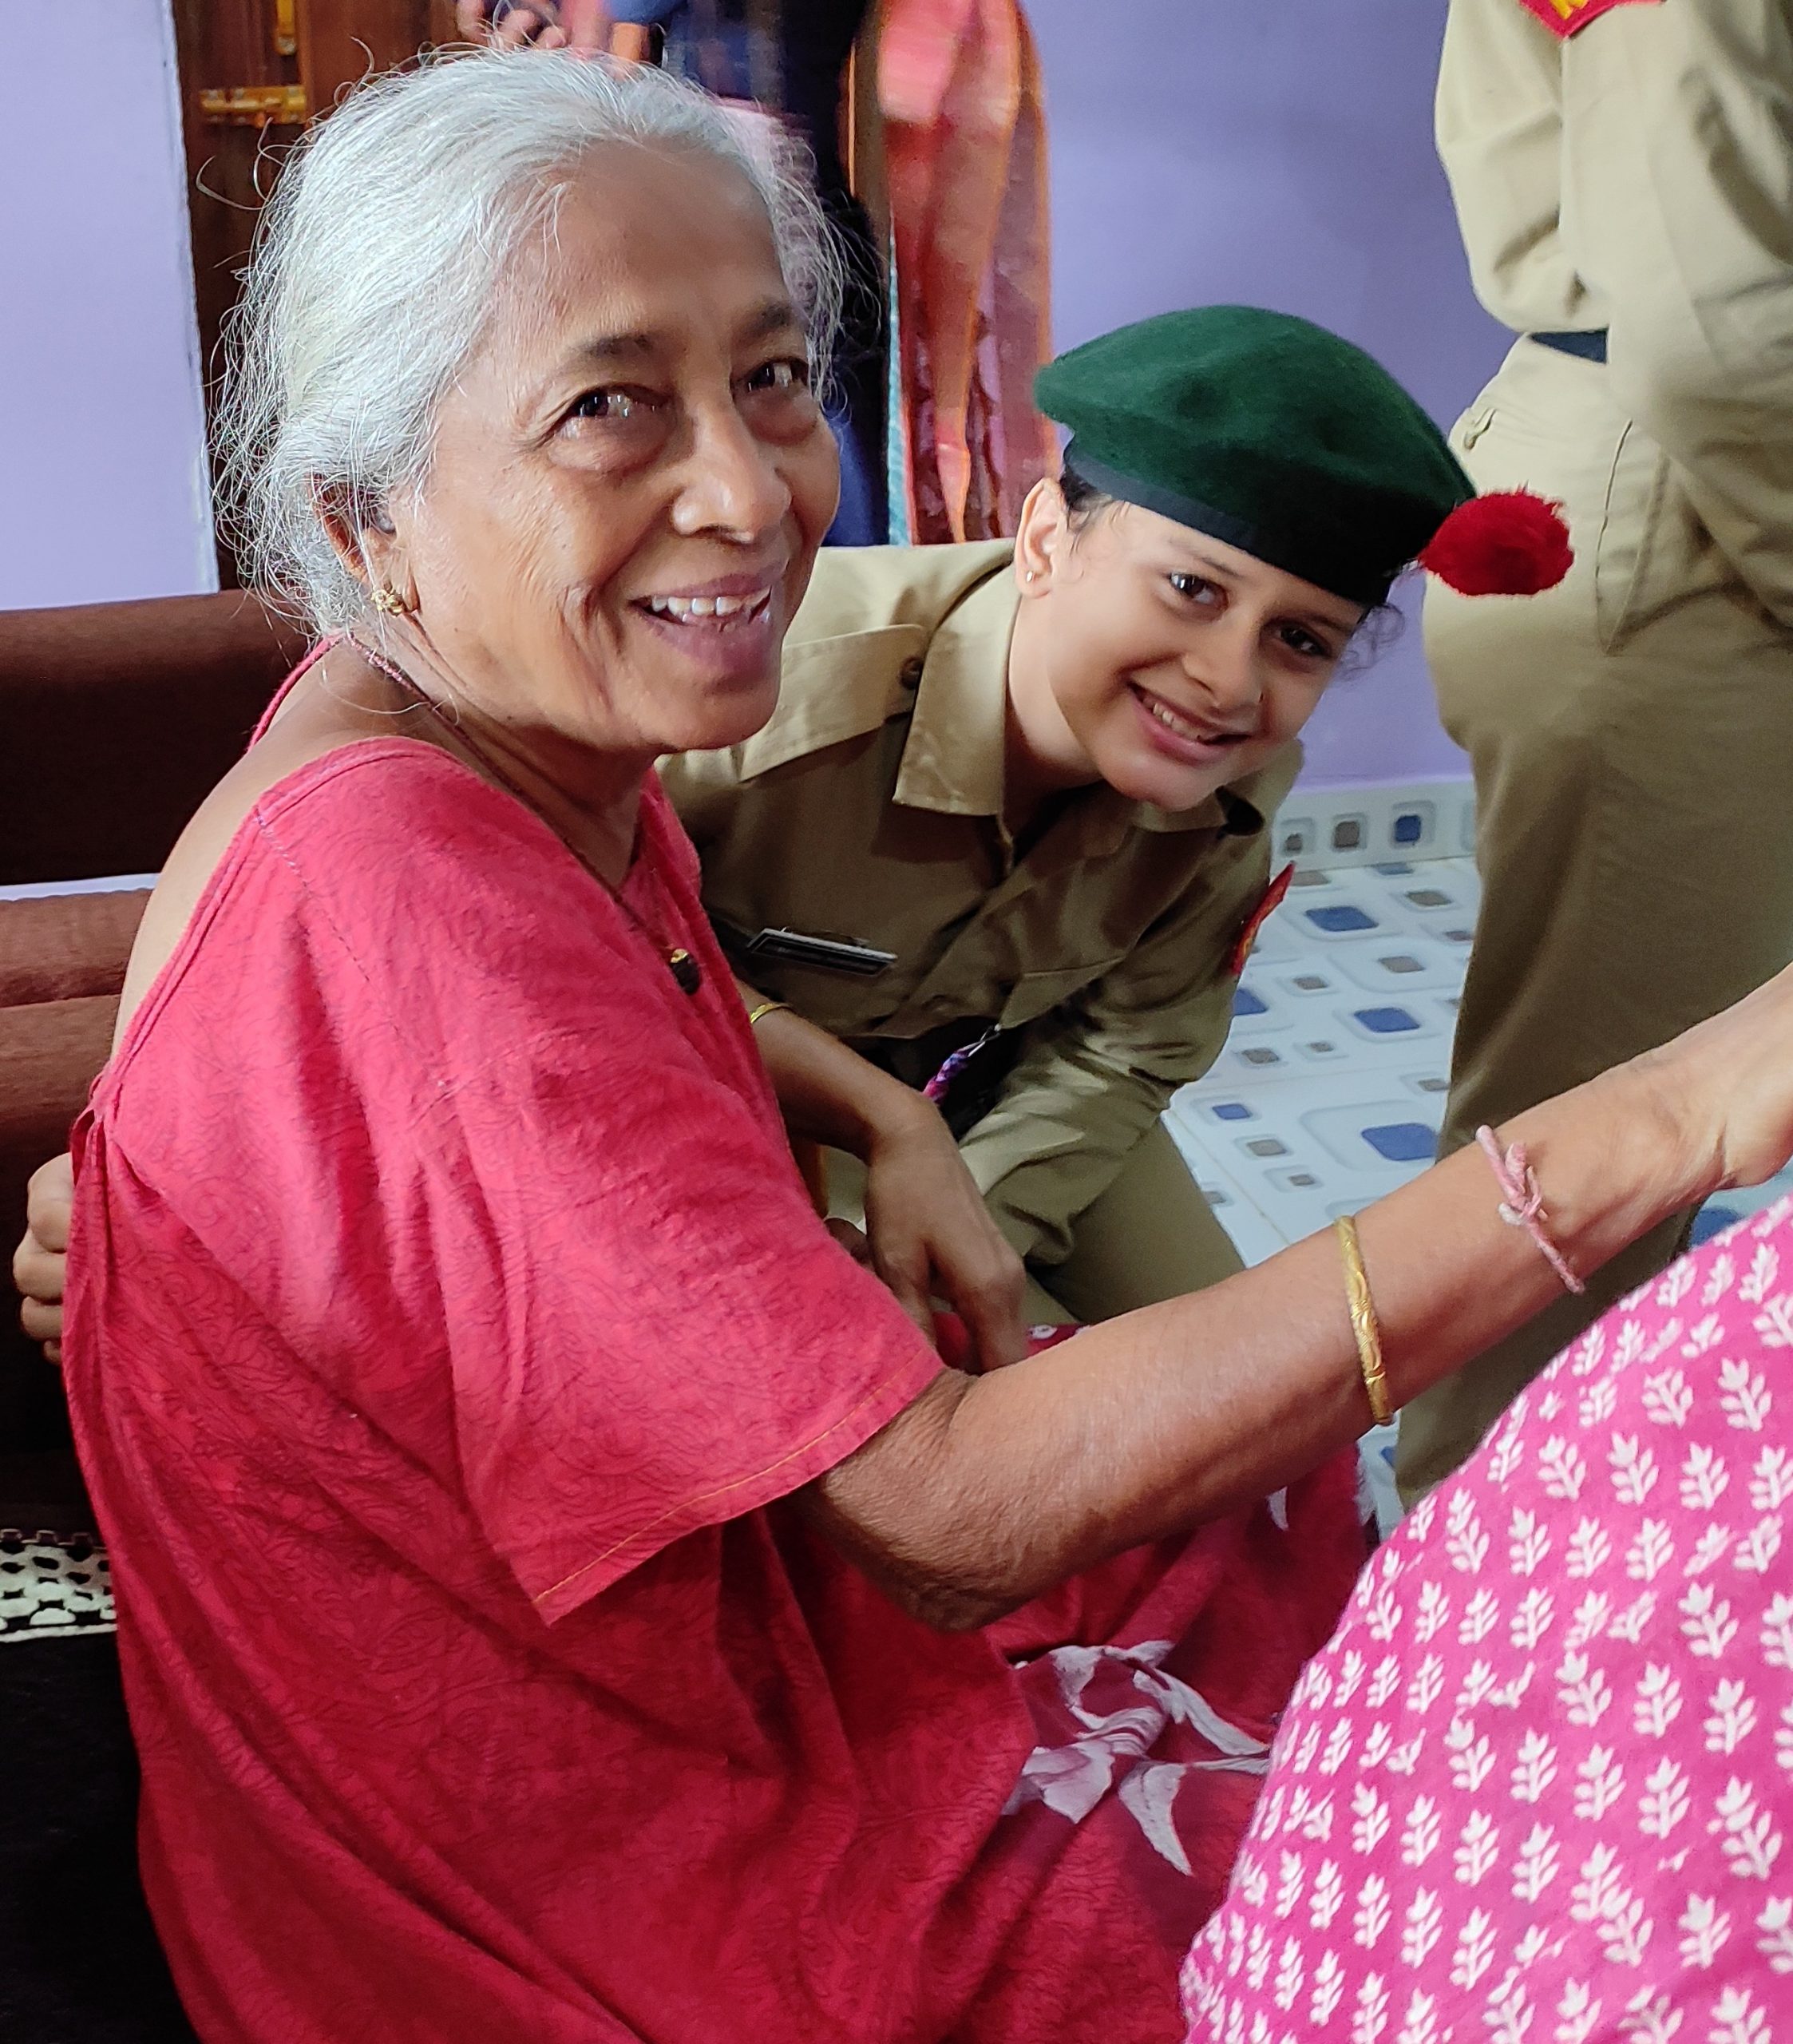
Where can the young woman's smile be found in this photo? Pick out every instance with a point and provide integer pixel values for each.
(1194, 740)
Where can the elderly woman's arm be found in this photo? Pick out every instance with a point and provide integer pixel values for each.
(930, 1232)
(985, 1491)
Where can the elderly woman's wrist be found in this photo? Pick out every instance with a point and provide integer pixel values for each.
(892, 1112)
(832, 1096)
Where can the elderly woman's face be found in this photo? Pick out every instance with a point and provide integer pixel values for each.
(632, 476)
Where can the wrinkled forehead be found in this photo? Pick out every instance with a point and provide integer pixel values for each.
(639, 238)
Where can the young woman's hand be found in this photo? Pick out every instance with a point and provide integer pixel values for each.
(932, 1236)
(40, 1263)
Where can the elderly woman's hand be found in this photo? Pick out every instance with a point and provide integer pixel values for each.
(41, 1260)
(931, 1235)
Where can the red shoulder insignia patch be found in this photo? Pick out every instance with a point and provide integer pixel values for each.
(1567, 17)
(1259, 917)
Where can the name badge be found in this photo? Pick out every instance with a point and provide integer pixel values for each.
(828, 954)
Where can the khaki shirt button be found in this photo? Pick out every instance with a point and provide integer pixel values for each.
(910, 674)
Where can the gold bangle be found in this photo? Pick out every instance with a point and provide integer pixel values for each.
(1363, 1320)
(765, 1008)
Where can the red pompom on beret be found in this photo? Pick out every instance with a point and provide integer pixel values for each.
(1510, 543)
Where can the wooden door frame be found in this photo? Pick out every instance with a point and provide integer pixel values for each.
(340, 42)
(231, 56)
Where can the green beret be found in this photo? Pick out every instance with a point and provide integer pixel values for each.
(1263, 431)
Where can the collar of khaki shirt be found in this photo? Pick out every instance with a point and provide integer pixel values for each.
(947, 660)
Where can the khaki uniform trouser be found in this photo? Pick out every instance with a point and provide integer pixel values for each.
(1151, 1237)
(1631, 737)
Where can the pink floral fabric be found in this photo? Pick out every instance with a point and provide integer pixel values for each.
(1538, 1788)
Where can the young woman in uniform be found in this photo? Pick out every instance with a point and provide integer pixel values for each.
(1007, 835)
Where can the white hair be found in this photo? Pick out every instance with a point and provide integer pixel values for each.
(378, 260)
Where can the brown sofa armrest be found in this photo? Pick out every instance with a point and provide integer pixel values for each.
(66, 946)
(119, 719)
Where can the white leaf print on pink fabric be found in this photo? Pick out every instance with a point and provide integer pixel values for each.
(1557, 1718)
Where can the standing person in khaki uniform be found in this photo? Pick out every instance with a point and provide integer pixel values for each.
(1011, 809)
(1623, 171)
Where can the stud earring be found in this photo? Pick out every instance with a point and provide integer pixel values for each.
(390, 602)
(1032, 575)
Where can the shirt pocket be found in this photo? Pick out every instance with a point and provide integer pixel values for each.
(1550, 426)
(1035, 994)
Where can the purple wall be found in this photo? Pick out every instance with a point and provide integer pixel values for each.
(1276, 152)
(102, 472)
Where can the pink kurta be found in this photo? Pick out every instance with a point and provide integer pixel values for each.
(1539, 1789)
(449, 1332)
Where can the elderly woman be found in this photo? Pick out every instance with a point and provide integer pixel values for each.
(564, 1595)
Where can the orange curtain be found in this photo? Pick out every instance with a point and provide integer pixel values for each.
(964, 140)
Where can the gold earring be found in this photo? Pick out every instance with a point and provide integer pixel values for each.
(390, 602)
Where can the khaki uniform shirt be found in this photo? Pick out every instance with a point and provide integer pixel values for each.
(870, 808)
(1637, 176)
